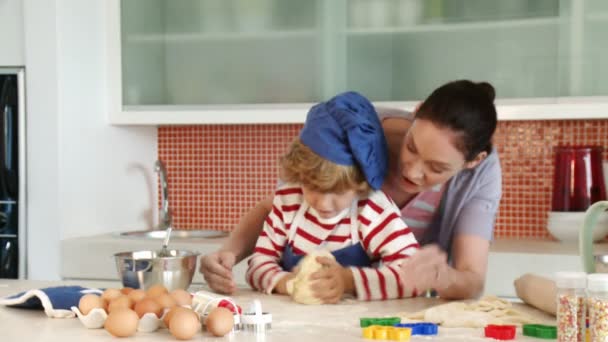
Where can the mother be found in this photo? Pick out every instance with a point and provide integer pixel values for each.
(443, 174)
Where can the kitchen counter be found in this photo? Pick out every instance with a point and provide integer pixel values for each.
(291, 322)
(91, 258)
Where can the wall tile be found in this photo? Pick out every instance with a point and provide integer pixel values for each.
(218, 172)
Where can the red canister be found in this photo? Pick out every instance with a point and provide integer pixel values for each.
(578, 180)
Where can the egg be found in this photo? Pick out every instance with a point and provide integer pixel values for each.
(156, 290)
(170, 313)
(184, 324)
(182, 297)
(137, 295)
(122, 322)
(165, 301)
(220, 321)
(111, 294)
(148, 305)
(89, 302)
(126, 290)
(120, 302)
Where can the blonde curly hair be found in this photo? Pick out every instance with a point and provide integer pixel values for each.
(301, 165)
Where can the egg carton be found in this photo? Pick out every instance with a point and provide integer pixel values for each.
(96, 319)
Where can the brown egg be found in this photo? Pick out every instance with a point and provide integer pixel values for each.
(126, 290)
(120, 302)
(148, 305)
(170, 313)
(89, 302)
(184, 324)
(122, 322)
(165, 301)
(137, 295)
(111, 294)
(156, 290)
(182, 297)
(220, 321)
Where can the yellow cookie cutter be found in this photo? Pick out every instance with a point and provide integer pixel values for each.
(378, 332)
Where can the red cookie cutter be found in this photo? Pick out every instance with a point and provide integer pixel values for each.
(500, 332)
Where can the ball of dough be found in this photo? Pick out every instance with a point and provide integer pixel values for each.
(299, 286)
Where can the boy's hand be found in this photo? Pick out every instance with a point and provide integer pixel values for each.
(281, 286)
(332, 282)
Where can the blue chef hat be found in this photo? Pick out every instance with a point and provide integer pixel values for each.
(346, 130)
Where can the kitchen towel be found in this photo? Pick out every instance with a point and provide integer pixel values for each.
(56, 301)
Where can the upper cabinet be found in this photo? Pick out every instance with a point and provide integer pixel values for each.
(11, 33)
(267, 61)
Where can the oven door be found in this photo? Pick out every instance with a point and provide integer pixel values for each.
(9, 257)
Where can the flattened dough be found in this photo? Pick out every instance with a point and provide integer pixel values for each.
(488, 310)
(299, 286)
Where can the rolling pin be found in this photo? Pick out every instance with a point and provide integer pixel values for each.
(537, 291)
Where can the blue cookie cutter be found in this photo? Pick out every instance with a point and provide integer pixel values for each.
(422, 328)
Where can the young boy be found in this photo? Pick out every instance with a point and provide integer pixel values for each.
(331, 200)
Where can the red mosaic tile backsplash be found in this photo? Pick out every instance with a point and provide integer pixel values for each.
(216, 173)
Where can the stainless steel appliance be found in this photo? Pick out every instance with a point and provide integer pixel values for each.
(12, 161)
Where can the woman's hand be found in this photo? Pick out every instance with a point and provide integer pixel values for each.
(217, 270)
(426, 269)
(330, 283)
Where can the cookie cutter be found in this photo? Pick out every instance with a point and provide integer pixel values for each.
(547, 332)
(382, 321)
(500, 332)
(420, 328)
(381, 332)
(256, 320)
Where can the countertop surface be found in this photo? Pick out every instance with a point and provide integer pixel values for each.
(542, 247)
(91, 257)
(291, 322)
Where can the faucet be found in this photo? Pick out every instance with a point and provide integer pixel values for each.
(164, 215)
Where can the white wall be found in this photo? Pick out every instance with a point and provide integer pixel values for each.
(11, 33)
(84, 176)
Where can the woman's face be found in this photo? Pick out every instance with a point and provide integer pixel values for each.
(428, 157)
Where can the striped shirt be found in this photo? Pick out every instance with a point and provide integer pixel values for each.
(419, 213)
(383, 235)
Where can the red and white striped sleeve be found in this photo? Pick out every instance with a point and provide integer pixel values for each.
(388, 239)
(264, 271)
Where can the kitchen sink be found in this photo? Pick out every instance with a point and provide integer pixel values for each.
(175, 234)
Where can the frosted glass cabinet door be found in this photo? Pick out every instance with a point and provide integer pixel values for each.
(267, 61)
(592, 63)
(218, 52)
(401, 50)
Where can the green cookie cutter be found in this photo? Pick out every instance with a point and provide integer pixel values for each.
(383, 321)
(547, 332)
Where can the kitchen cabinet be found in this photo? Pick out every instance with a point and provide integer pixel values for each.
(266, 61)
(11, 33)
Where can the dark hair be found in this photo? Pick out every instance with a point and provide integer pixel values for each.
(467, 108)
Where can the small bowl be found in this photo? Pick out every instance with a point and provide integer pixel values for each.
(566, 225)
(601, 263)
(142, 269)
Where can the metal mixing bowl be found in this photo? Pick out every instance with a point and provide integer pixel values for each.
(142, 269)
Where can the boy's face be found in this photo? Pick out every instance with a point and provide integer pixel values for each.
(328, 204)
